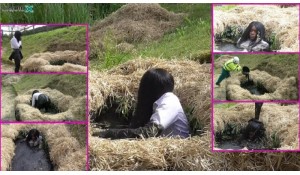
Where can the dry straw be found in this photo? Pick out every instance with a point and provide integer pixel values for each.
(279, 89)
(72, 61)
(282, 21)
(69, 108)
(64, 150)
(278, 120)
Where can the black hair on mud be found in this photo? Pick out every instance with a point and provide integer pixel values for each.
(35, 91)
(259, 27)
(32, 132)
(18, 35)
(154, 83)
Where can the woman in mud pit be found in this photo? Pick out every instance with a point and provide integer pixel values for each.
(158, 111)
(253, 39)
(16, 45)
(40, 100)
(34, 138)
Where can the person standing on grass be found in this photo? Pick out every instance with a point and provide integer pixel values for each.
(16, 55)
(158, 111)
(230, 65)
(40, 100)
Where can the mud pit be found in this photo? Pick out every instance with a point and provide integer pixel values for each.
(30, 159)
(264, 87)
(280, 23)
(63, 108)
(281, 124)
(227, 47)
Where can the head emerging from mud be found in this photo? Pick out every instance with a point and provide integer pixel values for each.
(254, 130)
(34, 138)
(154, 83)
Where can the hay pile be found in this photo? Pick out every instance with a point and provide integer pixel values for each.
(192, 82)
(59, 61)
(279, 89)
(70, 108)
(281, 21)
(137, 23)
(65, 151)
(280, 120)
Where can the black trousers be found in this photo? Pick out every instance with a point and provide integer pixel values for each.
(43, 102)
(17, 56)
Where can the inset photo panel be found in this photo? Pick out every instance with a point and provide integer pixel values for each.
(256, 127)
(43, 147)
(43, 98)
(255, 77)
(256, 28)
(44, 48)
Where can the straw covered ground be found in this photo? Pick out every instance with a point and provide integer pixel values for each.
(134, 23)
(69, 108)
(66, 153)
(281, 21)
(282, 121)
(59, 61)
(279, 89)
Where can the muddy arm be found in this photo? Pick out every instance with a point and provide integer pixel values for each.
(150, 130)
(257, 110)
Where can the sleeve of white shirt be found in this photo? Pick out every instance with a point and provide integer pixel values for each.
(165, 114)
(14, 43)
(20, 43)
(33, 99)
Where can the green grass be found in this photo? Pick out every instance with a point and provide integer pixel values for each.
(39, 42)
(224, 105)
(277, 65)
(187, 41)
(224, 7)
(74, 85)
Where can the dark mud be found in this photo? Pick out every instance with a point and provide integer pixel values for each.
(227, 47)
(30, 159)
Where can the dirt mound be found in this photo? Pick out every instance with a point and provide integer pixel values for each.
(278, 120)
(192, 86)
(283, 22)
(278, 89)
(67, 107)
(71, 156)
(60, 61)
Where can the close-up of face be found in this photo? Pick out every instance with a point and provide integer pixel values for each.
(253, 33)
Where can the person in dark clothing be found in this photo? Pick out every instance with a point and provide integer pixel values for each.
(40, 100)
(16, 55)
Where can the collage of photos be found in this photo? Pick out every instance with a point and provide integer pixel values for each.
(168, 87)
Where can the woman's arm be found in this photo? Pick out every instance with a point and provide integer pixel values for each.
(150, 130)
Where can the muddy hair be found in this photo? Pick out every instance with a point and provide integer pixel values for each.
(35, 91)
(18, 35)
(260, 29)
(154, 83)
(32, 132)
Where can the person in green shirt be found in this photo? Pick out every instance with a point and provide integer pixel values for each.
(230, 65)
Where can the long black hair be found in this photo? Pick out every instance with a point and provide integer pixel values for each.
(18, 35)
(32, 133)
(35, 91)
(154, 83)
(260, 30)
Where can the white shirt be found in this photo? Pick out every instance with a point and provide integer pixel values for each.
(35, 97)
(168, 113)
(14, 43)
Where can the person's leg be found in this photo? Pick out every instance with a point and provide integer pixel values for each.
(224, 74)
(17, 62)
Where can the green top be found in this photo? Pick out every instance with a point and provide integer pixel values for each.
(231, 66)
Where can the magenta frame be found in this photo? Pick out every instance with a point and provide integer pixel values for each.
(213, 101)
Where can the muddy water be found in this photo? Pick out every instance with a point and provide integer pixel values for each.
(227, 47)
(8, 103)
(253, 89)
(30, 159)
(235, 145)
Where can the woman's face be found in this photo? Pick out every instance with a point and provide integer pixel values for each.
(253, 33)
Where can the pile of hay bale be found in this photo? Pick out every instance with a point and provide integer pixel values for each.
(132, 23)
(282, 121)
(279, 89)
(65, 151)
(69, 108)
(284, 22)
(68, 61)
